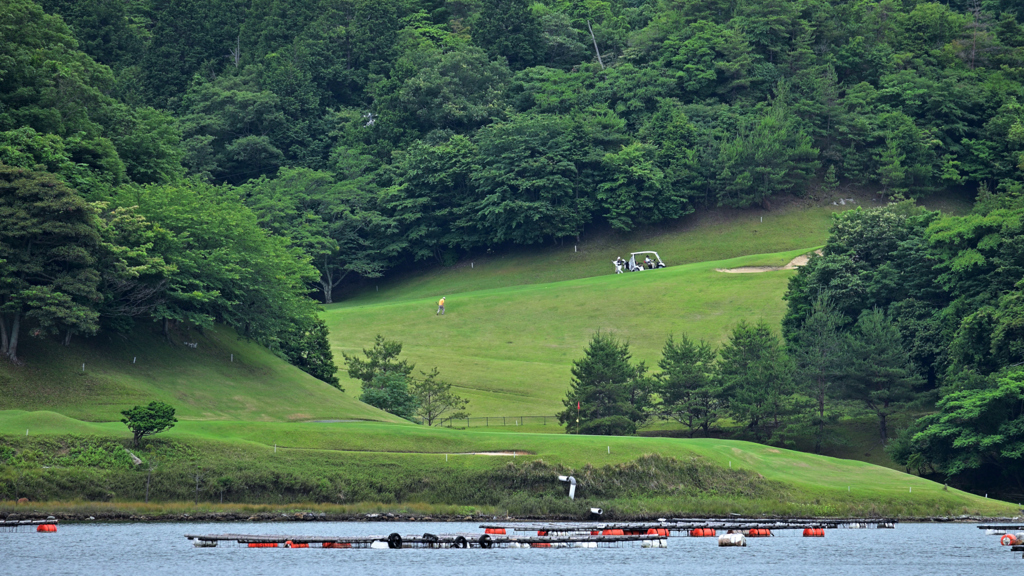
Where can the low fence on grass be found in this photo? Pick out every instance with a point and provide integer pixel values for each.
(493, 421)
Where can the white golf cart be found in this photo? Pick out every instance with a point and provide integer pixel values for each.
(647, 264)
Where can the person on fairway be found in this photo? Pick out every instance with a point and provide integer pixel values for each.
(440, 306)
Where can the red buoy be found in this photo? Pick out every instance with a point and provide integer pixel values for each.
(612, 532)
(758, 533)
(702, 532)
(658, 531)
(262, 544)
(494, 530)
(336, 545)
(46, 528)
(1008, 540)
(540, 545)
(814, 532)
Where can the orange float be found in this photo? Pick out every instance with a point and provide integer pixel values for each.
(540, 545)
(758, 533)
(658, 531)
(702, 532)
(1008, 540)
(46, 528)
(290, 544)
(814, 532)
(336, 545)
(612, 532)
(494, 530)
(262, 544)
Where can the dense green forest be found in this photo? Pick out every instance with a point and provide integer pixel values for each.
(190, 162)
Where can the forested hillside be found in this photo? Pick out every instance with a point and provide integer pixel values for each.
(370, 134)
(175, 164)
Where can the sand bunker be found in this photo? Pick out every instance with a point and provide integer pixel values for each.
(793, 264)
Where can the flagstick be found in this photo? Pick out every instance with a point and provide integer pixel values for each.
(577, 417)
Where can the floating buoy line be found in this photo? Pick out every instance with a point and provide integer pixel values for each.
(1006, 535)
(47, 525)
(730, 532)
(398, 541)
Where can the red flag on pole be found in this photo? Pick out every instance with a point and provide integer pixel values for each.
(577, 405)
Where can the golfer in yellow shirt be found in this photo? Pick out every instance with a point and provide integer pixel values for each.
(440, 306)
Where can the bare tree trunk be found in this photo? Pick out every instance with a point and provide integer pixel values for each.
(12, 346)
(882, 428)
(594, 38)
(67, 337)
(821, 420)
(3, 335)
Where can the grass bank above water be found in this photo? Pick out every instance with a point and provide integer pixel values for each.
(401, 466)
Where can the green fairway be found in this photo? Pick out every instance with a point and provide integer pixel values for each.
(223, 377)
(706, 235)
(509, 350)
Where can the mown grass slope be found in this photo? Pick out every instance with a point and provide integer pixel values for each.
(705, 235)
(510, 350)
(223, 377)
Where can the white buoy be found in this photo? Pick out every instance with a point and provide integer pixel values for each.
(732, 540)
(379, 545)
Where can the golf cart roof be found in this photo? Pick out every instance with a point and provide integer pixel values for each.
(646, 252)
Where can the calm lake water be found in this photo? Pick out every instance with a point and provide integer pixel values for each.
(156, 549)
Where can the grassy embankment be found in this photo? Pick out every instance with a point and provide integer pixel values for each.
(233, 414)
(401, 464)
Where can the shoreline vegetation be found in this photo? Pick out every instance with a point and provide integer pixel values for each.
(83, 512)
(186, 478)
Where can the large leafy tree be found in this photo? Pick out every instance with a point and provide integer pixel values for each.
(507, 28)
(525, 183)
(612, 394)
(224, 266)
(976, 436)
(48, 243)
(333, 223)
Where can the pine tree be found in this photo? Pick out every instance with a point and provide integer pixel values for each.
(689, 384)
(891, 172)
(821, 358)
(613, 395)
(758, 378)
(831, 182)
(882, 374)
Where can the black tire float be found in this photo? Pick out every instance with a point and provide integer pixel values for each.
(485, 541)
(431, 540)
(395, 540)
(460, 542)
